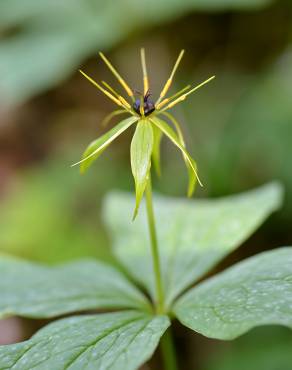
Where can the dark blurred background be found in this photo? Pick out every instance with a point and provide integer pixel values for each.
(239, 128)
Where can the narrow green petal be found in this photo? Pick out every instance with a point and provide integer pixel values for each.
(94, 150)
(191, 174)
(169, 132)
(157, 136)
(141, 150)
(111, 115)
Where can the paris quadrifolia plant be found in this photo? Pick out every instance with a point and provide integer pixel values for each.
(165, 253)
(149, 118)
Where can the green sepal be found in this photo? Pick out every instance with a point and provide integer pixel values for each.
(96, 148)
(192, 177)
(157, 136)
(170, 133)
(111, 115)
(141, 151)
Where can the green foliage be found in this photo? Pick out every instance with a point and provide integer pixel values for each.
(141, 151)
(52, 216)
(254, 292)
(109, 341)
(53, 38)
(193, 235)
(37, 291)
(42, 43)
(263, 118)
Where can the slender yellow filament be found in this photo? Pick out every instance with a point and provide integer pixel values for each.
(121, 99)
(110, 88)
(182, 97)
(144, 69)
(124, 102)
(117, 75)
(167, 100)
(109, 95)
(169, 81)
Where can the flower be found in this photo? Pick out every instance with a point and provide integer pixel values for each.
(149, 118)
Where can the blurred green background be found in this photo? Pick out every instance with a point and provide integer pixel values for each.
(239, 128)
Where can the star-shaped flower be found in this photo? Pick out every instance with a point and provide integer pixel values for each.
(149, 118)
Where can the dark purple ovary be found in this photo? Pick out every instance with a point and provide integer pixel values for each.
(149, 106)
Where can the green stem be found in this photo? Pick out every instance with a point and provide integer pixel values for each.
(154, 248)
(168, 351)
(166, 344)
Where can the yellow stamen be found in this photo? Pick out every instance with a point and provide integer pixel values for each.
(117, 75)
(110, 88)
(109, 95)
(182, 97)
(165, 101)
(161, 104)
(166, 88)
(146, 85)
(178, 100)
(169, 81)
(124, 102)
(144, 69)
(126, 105)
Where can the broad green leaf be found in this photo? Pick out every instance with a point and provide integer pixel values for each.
(168, 131)
(113, 341)
(141, 150)
(193, 235)
(96, 148)
(33, 290)
(254, 292)
(157, 136)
